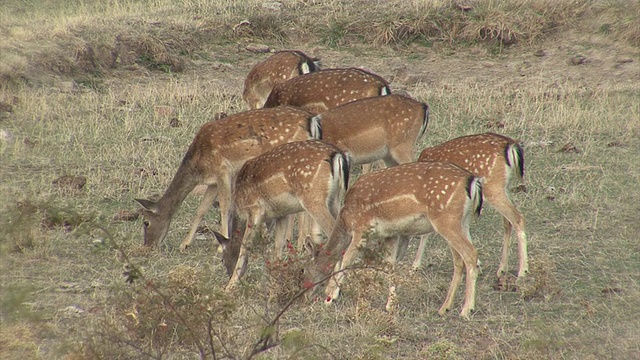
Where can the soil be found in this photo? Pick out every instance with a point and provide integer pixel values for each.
(585, 61)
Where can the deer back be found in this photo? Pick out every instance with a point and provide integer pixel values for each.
(229, 142)
(326, 89)
(495, 157)
(370, 128)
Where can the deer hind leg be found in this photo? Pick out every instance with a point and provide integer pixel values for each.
(289, 231)
(304, 231)
(512, 218)
(403, 247)
(394, 247)
(465, 256)
(224, 198)
(207, 201)
(458, 266)
(506, 248)
(280, 239)
(417, 262)
(402, 153)
(333, 286)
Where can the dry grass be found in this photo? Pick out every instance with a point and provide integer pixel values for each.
(83, 41)
(115, 94)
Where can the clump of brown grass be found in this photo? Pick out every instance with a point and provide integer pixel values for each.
(368, 290)
(489, 22)
(149, 52)
(13, 66)
(25, 221)
(541, 282)
(19, 339)
(183, 277)
(619, 19)
(265, 26)
(284, 276)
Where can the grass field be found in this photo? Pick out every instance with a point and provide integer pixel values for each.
(99, 101)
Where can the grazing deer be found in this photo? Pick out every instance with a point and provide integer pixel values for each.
(498, 159)
(322, 90)
(279, 67)
(215, 156)
(378, 128)
(299, 176)
(408, 199)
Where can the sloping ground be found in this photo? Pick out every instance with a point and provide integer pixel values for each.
(90, 41)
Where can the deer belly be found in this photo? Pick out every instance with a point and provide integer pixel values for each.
(281, 205)
(366, 147)
(407, 225)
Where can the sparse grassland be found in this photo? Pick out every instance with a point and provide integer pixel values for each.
(110, 94)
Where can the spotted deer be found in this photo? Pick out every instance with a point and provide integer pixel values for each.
(408, 199)
(377, 128)
(322, 90)
(383, 128)
(215, 156)
(499, 160)
(309, 176)
(279, 67)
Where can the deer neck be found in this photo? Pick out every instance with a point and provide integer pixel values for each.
(183, 182)
(332, 251)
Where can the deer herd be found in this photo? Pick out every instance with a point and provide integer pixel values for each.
(291, 155)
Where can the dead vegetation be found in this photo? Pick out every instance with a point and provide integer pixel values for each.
(129, 36)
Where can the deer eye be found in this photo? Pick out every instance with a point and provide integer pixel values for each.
(146, 223)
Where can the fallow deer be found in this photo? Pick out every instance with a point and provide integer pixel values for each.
(308, 176)
(322, 90)
(499, 160)
(408, 199)
(279, 67)
(378, 128)
(215, 156)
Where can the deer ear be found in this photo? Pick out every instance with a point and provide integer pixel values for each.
(221, 239)
(147, 205)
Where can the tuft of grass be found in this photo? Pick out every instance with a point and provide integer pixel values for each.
(619, 20)
(335, 34)
(442, 350)
(14, 305)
